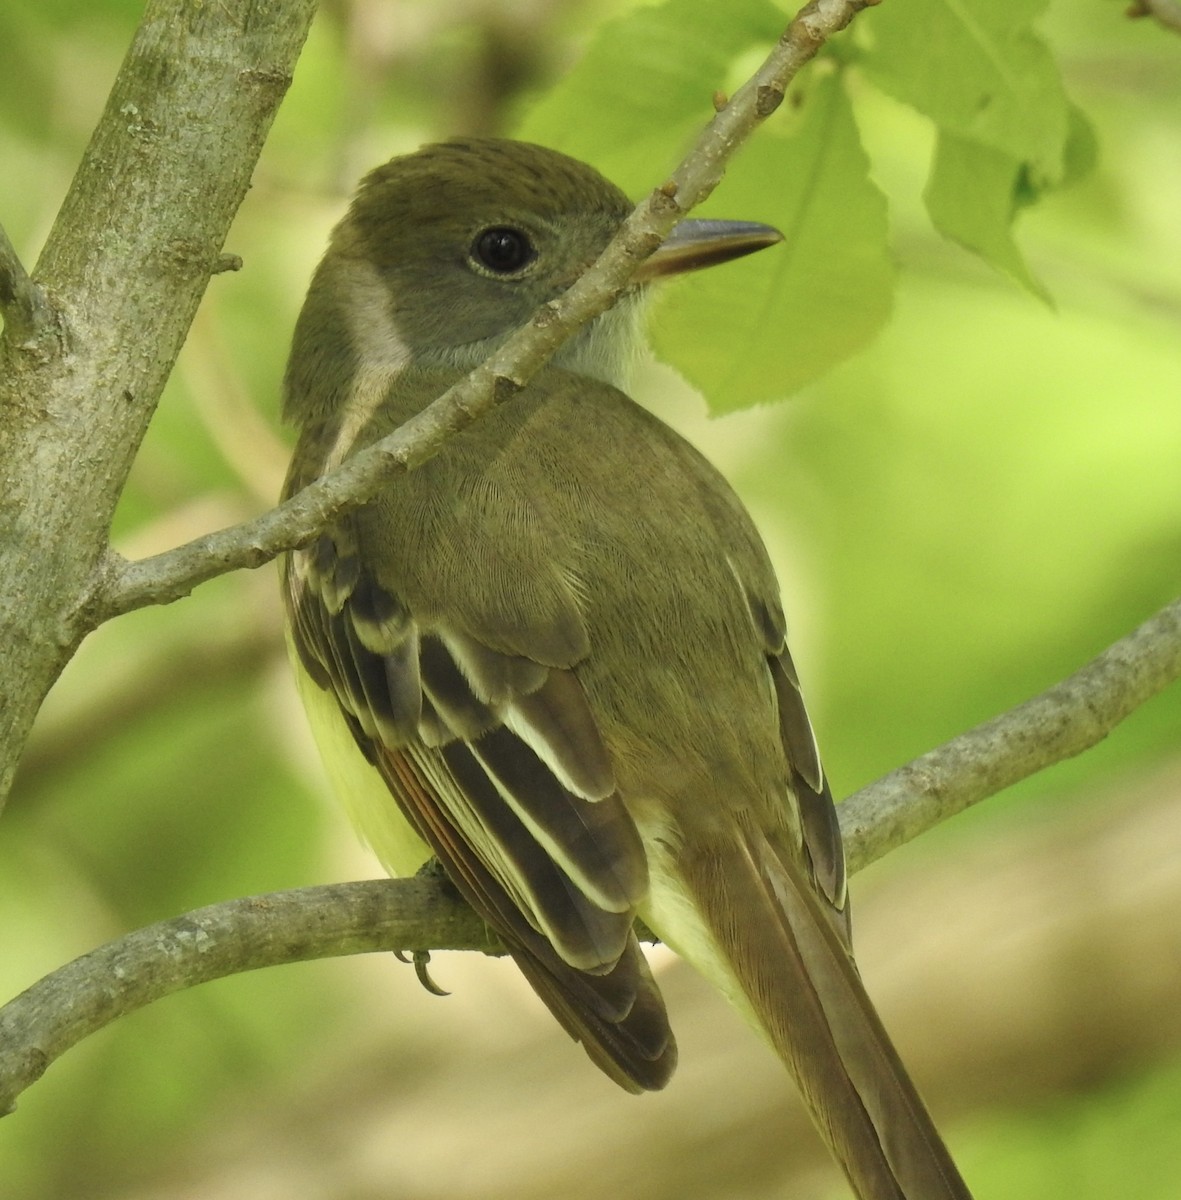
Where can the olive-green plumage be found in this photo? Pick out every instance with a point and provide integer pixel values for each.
(556, 655)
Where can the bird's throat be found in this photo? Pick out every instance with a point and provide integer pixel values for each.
(608, 348)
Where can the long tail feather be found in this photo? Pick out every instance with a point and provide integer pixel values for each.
(806, 994)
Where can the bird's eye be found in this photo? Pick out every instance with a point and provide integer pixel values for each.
(503, 249)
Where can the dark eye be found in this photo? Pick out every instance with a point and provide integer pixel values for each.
(502, 249)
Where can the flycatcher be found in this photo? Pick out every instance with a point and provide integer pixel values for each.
(553, 656)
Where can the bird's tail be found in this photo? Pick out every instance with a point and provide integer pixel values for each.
(798, 977)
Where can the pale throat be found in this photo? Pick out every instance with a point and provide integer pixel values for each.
(608, 348)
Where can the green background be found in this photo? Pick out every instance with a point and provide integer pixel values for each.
(974, 487)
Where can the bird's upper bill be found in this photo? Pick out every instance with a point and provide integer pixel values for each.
(698, 243)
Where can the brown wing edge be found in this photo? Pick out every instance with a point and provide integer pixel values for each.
(618, 1014)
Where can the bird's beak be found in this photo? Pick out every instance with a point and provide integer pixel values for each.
(702, 243)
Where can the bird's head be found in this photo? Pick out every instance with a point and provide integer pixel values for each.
(445, 252)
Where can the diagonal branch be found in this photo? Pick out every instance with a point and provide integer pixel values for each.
(92, 335)
(409, 914)
(166, 577)
(1069, 718)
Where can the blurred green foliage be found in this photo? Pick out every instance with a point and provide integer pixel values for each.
(979, 499)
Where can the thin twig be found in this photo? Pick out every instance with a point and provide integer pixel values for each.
(169, 576)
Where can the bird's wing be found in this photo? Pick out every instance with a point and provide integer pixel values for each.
(496, 762)
(810, 792)
(818, 815)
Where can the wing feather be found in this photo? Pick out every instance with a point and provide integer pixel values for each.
(616, 1013)
(818, 814)
(496, 762)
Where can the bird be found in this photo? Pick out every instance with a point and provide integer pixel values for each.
(553, 657)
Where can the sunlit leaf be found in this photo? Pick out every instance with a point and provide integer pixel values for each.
(645, 85)
(978, 69)
(763, 328)
(972, 198)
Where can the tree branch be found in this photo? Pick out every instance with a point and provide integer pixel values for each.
(1069, 718)
(411, 914)
(91, 338)
(80, 998)
(169, 576)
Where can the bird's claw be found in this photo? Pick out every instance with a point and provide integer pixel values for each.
(422, 960)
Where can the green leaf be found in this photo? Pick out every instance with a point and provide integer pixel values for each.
(972, 196)
(763, 328)
(978, 70)
(645, 85)
(630, 107)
